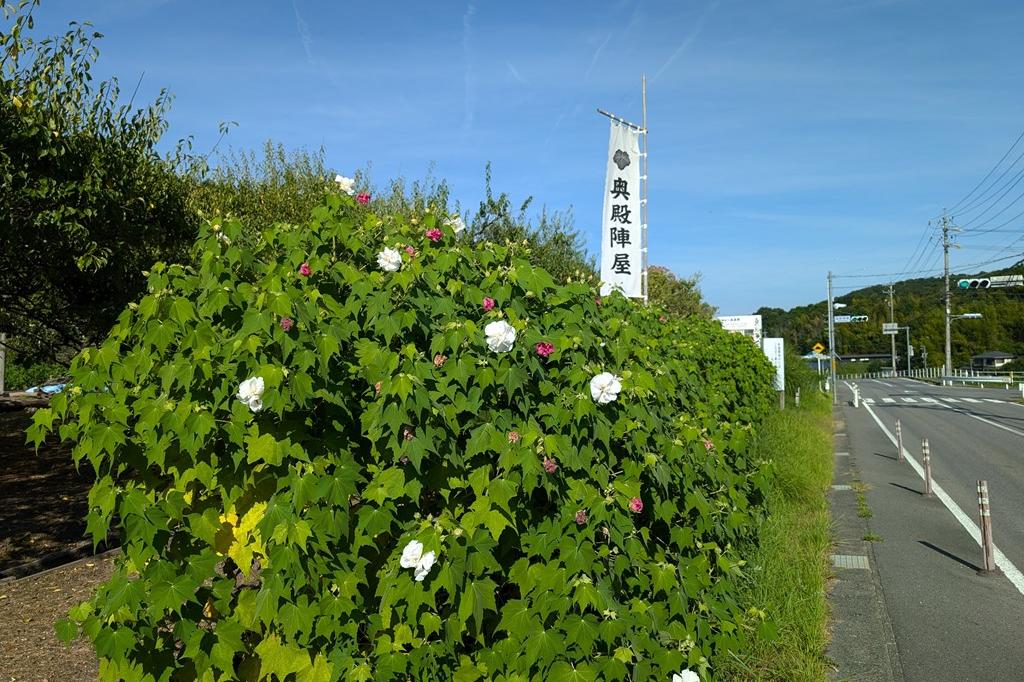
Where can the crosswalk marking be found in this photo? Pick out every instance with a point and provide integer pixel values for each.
(909, 400)
(869, 401)
(992, 400)
(971, 400)
(952, 400)
(888, 400)
(930, 400)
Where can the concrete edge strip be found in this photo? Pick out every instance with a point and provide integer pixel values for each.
(859, 561)
(1011, 572)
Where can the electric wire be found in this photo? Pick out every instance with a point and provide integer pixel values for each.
(989, 174)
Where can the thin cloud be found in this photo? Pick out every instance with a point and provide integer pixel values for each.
(515, 74)
(469, 94)
(688, 40)
(595, 57)
(304, 35)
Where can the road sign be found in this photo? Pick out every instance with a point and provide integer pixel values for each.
(890, 328)
(843, 319)
(817, 348)
(748, 325)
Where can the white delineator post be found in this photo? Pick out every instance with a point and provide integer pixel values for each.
(856, 396)
(899, 442)
(987, 551)
(798, 396)
(926, 458)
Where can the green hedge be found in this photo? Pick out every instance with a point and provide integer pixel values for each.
(285, 432)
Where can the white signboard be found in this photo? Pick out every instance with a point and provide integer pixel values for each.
(890, 328)
(621, 257)
(775, 350)
(750, 325)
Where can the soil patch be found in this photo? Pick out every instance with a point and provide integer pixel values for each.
(44, 499)
(29, 648)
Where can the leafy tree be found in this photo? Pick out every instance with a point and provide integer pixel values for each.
(678, 295)
(86, 202)
(261, 189)
(555, 244)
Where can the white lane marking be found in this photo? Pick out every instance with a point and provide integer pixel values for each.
(908, 400)
(869, 401)
(888, 400)
(971, 400)
(930, 400)
(952, 400)
(992, 400)
(1005, 565)
(982, 419)
(883, 383)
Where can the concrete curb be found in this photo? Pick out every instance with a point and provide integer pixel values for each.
(863, 646)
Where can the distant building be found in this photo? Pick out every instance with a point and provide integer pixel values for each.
(992, 359)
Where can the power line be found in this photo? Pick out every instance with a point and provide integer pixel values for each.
(989, 174)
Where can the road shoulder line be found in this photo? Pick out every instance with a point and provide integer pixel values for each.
(1011, 572)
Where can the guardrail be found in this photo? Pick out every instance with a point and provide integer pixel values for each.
(978, 380)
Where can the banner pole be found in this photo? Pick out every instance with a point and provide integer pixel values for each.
(643, 199)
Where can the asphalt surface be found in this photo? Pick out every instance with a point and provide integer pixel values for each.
(949, 621)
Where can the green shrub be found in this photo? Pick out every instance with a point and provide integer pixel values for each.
(271, 444)
(18, 377)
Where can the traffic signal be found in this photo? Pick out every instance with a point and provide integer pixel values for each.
(979, 283)
(858, 318)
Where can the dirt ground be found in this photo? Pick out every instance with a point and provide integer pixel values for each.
(29, 648)
(42, 504)
(44, 498)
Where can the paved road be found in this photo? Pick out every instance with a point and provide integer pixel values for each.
(949, 622)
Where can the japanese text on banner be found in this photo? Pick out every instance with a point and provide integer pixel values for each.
(621, 232)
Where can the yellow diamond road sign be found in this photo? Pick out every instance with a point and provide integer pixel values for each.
(818, 348)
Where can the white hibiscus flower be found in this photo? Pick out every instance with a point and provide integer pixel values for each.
(686, 676)
(500, 336)
(389, 260)
(605, 387)
(414, 558)
(455, 222)
(250, 392)
(346, 185)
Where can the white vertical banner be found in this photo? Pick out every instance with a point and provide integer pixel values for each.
(775, 350)
(621, 235)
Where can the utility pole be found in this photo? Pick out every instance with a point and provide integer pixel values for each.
(831, 341)
(892, 337)
(909, 350)
(945, 254)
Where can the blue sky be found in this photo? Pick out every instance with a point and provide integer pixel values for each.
(787, 137)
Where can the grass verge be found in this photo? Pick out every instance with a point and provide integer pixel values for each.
(789, 569)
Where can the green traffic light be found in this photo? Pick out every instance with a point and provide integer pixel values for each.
(964, 284)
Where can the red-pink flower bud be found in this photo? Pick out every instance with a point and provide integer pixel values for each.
(544, 349)
(636, 505)
(363, 198)
(488, 304)
(434, 235)
(286, 323)
(581, 517)
(304, 270)
(549, 465)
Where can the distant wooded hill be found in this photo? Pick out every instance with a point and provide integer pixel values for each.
(919, 304)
